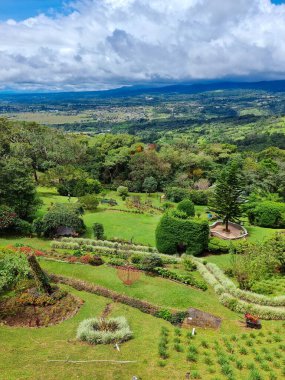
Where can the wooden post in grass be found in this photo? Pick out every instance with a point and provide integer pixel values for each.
(42, 280)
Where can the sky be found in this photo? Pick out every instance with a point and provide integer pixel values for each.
(70, 45)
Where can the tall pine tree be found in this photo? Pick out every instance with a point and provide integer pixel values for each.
(228, 194)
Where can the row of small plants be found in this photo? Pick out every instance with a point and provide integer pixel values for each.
(90, 248)
(233, 357)
(173, 316)
(109, 251)
(128, 211)
(236, 304)
(243, 294)
(110, 244)
(187, 279)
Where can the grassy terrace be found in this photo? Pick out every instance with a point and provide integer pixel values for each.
(32, 349)
(155, 290)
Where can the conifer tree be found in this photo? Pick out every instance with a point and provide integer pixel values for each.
(228, 198)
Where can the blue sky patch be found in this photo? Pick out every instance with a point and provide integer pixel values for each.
(22, 9)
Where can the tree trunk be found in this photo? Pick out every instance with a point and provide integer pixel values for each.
(41, 278)
(227, 225)
(36, 177)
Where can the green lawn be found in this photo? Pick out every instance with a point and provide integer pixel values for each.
(155, 290)
(139, 228)
(25, 353)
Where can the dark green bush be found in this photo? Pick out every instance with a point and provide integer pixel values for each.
(137, 258)
(60, 215)
(217, 245)
(267, 214)
(96, 261)
(98, 231)
(151, 262)
(79, 188)
(181, 235)
(186, 206)
(89, 201)
(177, 194)
(23, 227)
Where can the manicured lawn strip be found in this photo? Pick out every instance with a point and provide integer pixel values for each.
(155, 290)
(223, 261)
(140, 228)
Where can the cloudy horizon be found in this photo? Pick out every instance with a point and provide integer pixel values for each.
(101, 44)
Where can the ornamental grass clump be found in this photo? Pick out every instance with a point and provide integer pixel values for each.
(104, 331)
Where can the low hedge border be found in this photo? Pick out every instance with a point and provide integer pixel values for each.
(111, 244)
(243, 294)
(108, 251)
(175, 317)
(233, 302)
(186, 279)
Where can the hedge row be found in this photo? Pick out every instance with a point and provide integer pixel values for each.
(110, 244)
(185, 279)
(93, 248)
(236, 304)
(243, 294)
(240, 306)
(172, 316)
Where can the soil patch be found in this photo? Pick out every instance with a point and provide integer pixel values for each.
(13, 313)
(201, 319)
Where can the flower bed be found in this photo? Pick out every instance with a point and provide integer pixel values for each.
(104, 331)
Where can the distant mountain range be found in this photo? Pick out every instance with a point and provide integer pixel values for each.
(129, 91)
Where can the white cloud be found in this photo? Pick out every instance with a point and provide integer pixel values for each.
(105, 43)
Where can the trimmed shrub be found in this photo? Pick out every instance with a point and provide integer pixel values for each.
(89, 202)
(98, 231)
(122, 191)
(186, 206)
(61, 215)
(217, 245)
(174, 235)
(104, 331)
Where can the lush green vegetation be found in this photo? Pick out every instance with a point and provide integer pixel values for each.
(220, 157)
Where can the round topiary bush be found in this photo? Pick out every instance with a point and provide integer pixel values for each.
(186, 206)
(174, 234)
(104, 331)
